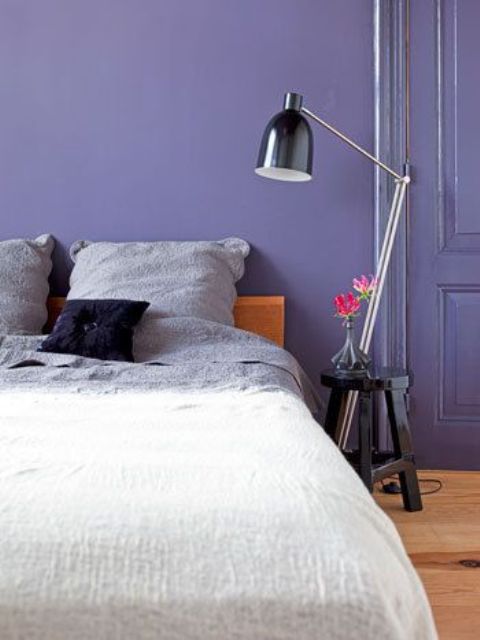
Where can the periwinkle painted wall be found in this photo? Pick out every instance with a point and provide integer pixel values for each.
(140, 119)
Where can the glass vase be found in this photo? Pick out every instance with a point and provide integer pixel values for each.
(350, 360)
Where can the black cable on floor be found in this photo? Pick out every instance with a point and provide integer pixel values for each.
(438, 488)
(394, 487)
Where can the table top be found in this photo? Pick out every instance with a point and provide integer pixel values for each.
(375, 379)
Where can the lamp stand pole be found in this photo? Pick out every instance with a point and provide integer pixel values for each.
(401, 183)
(374, 304)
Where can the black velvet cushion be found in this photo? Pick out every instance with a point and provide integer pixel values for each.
(100, 329)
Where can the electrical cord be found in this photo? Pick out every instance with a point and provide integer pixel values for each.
(438, 488)
(394, 487)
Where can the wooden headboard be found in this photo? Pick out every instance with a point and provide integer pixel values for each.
(264, 315)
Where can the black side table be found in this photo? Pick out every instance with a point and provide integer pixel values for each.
(373, 466)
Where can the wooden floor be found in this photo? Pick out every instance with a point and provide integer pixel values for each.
(443, 542)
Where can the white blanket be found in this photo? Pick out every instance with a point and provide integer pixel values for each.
(166, 515)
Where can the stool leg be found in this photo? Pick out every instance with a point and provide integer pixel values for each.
(402, 443)
(365, 439)
(336, 405)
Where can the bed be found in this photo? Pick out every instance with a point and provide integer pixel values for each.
(189, 497)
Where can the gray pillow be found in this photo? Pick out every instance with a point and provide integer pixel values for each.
(194, 279)
(24, 269)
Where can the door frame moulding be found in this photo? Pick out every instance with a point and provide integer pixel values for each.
(391, 141)
(391, 93)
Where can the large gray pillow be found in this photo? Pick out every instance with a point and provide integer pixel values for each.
(24, 269)
(194, 279)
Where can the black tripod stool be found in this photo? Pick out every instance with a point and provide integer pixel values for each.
(373, 466)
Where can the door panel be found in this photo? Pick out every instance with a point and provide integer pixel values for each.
(459, 379)
(444, 274)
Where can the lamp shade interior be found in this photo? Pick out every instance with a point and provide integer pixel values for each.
(280, 173)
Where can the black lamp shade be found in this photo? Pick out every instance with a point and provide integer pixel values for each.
(286, 149)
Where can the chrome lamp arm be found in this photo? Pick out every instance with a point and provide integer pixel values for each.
(353, 144)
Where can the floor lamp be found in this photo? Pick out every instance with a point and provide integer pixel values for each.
(286, 153)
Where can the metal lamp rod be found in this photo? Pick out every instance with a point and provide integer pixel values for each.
(374, 303)
(382, 268)
(352, 144)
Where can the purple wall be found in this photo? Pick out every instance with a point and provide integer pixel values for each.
(140, 119)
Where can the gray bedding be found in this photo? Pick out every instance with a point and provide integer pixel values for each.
(24, 269)
(179, 516)
(186, 354)
(178, 279)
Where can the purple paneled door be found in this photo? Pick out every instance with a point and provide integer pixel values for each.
(444, 309)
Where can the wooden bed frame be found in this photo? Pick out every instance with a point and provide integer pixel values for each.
(264, 315)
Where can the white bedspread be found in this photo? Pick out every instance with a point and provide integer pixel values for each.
(164, 515)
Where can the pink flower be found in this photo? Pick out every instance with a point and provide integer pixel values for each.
(346, 305)
(365, 286)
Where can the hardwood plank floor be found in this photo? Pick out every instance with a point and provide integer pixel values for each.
(443, 542)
